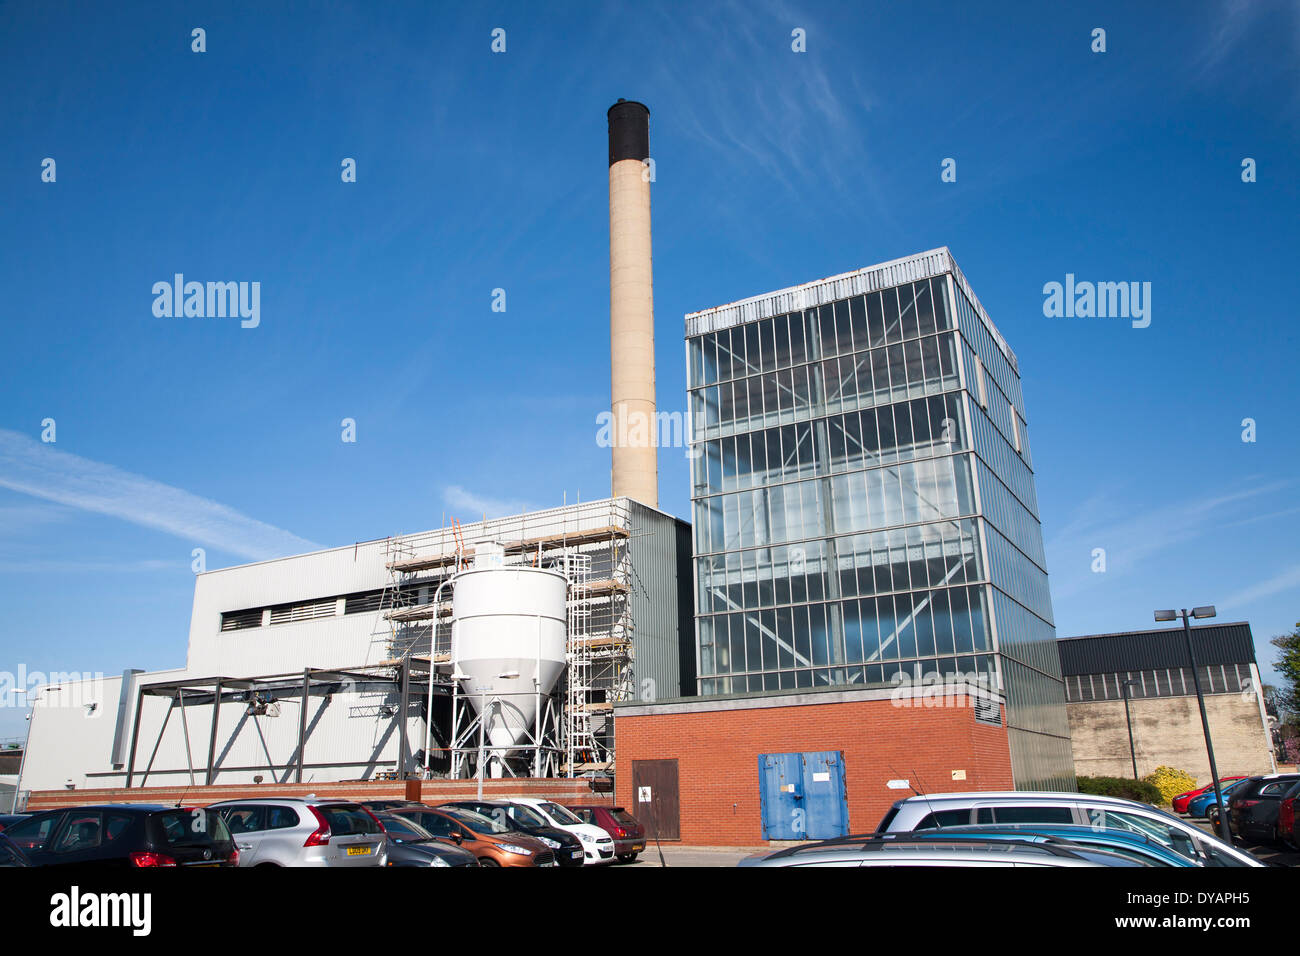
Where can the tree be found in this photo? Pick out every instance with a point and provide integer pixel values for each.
(1288, 665)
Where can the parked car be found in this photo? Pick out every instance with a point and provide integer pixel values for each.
(1181, 801)
(10, 855)
(628, 834)
(1253, 807)
(1126, 843)
(909, 850)
(1207, 803)
(123, 835)
(964, 809)
(493, 843)
(9, 819)
(597, 845)
(304, 831)
(1287, 831)
(410, 844)
(378, 806)
(516, 816)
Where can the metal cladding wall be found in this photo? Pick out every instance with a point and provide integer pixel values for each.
(1150, 650)
(72, 743)
(661, 600)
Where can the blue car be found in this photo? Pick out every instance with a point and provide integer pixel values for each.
(1129, 844)
(1200, 806)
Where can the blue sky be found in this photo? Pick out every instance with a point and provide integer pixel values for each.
(479, 171)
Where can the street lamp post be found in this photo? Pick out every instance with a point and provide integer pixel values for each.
(1200, 613)
(1129, 720)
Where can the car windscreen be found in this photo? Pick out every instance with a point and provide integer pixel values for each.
(190, 826)
(623, 817)
(408, 831)
(348, 819)
(476, 821)
(560, 814)
(526, 816)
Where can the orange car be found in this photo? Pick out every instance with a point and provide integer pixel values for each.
(492, 842)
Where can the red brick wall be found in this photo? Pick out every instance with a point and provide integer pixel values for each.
(429, 791)
(717, 758)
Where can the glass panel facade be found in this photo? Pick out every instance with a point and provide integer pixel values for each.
(860, 517)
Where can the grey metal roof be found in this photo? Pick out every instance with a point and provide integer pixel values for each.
(922, 265)
(1151, 650)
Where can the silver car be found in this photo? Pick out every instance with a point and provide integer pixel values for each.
(902, 850)
(304, 831)
(929, 811)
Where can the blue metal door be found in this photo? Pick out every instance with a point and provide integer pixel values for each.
(802, 795)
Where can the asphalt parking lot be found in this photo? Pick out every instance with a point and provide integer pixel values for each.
(678, 855)
(1268, 853)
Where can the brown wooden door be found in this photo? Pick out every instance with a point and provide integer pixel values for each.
(660, 814)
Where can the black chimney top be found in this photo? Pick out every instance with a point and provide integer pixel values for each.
(629, 131)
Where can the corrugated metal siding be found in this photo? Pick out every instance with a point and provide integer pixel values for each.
(924, 265)
(656, 543)
(1149, 650)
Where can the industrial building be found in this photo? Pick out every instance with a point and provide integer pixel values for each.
(1137, 686)
(865, 529)
(339, 664)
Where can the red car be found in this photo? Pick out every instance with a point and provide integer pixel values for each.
(1286, 811)
(629, 836)
(1183, 799)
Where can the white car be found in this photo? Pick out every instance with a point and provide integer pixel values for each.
(597, 845)
(938, 810)
(303, 831)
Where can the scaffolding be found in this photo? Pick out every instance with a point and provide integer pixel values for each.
(588, 542)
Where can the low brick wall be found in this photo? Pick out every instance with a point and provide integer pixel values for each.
(561, 790)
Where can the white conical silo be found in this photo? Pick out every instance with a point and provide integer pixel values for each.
(508, 646)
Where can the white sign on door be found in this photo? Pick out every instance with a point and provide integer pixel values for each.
(642, 794)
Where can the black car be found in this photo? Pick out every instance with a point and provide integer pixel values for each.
(10, 855)
(377, 806)
(1253, 806)
(121, 835)
(567, 847)
(410, 844)
(9, 819)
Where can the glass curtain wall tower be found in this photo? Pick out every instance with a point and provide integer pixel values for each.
(863, 496)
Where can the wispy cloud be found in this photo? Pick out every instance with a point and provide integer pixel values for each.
(12, 566)
(1129, 538)
(475, 506)
(40, 470)
(793, 125)
(1286, 580)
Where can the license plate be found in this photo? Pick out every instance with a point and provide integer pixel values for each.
(638, 846)
(576, 853)
(358, 851)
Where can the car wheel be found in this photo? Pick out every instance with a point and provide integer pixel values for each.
(487, 861)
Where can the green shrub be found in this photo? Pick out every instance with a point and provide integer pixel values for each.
(1170, 782)
(1140, 790)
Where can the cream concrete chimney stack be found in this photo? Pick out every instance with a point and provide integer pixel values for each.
(635, 467)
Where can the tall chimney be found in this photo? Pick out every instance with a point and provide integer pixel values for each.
(635, 467)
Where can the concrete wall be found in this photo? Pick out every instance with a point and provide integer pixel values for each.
(1167, 731)
(717, 742)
